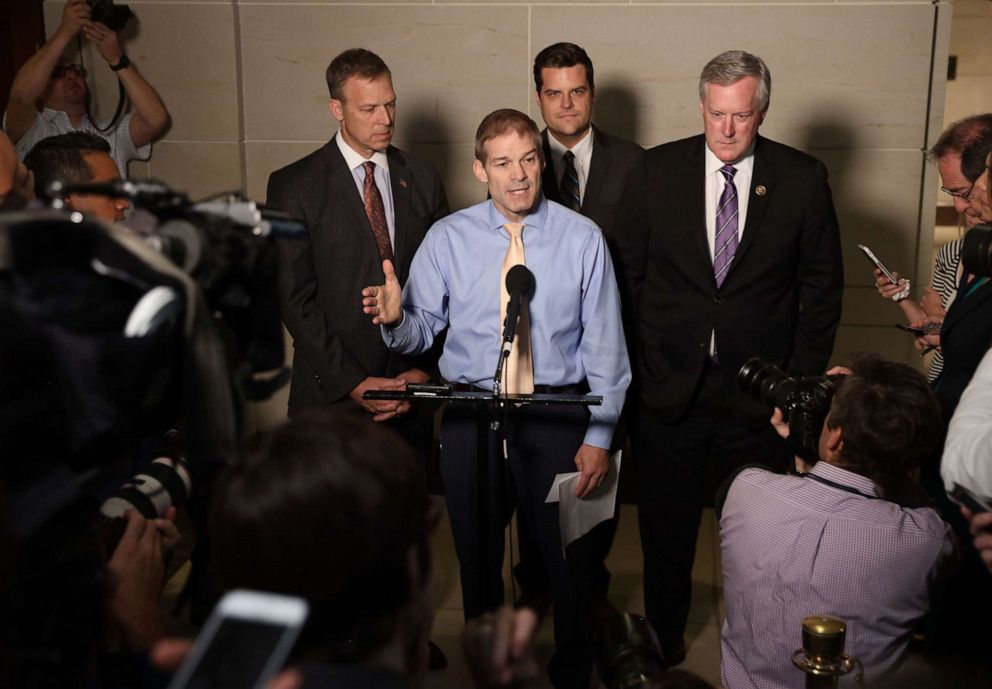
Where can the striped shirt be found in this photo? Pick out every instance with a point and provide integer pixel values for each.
(945, 284)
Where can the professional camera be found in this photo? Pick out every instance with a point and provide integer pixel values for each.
(114, 17)
(976, 251)
(805, 402)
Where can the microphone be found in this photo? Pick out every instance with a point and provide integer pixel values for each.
(519, 285)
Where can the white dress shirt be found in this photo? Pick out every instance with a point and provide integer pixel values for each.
(583, 159)
(968, 451)
(715, 182)
(355, 161)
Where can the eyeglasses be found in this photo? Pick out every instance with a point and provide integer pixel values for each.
(963, 195)
(61, 71)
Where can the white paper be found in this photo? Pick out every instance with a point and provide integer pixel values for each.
(577, 517)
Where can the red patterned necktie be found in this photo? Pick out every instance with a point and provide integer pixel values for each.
(376, 212)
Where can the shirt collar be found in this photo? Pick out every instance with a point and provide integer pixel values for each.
(537, 218)
(51, 114)
(580, 149)
(745, 163)
(353, 158)
(834, 473)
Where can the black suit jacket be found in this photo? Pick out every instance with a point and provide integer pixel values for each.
(781, 298)
(322, 276)
(965, 337)
(612, 160)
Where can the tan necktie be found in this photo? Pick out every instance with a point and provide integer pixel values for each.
(520, 364)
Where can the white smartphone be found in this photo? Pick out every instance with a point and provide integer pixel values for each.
(244, 643)
(878, 264)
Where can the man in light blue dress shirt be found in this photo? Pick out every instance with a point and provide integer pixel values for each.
(577, 345)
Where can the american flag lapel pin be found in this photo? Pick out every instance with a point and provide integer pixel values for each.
(403, 183)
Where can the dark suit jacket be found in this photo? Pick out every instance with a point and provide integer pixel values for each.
(612, 161)
(335, 344)
(965, 337)
(781, 298)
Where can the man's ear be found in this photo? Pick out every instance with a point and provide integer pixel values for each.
(835, 439)
(336, 108)
(480, 171)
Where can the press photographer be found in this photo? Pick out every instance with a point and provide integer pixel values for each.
(60, 86)
(851, 538)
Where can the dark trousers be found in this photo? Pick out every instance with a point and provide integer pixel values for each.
(679, 466)
(541, 442)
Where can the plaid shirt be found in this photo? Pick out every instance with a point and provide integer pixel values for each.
(794, 546)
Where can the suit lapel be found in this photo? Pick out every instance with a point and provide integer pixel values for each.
(345, 195)
(763, 178)
(597, 170)
(400, 180)
(549, 183)
(691, 186)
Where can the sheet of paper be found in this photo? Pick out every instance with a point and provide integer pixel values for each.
(576, 517)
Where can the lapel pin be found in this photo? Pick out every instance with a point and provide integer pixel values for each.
(760, 190)
(403, 184)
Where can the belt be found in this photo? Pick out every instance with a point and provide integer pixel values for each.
(574, 388)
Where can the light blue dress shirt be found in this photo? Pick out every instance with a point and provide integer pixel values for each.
(576, 331)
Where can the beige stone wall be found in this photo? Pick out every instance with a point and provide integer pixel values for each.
(858, 84)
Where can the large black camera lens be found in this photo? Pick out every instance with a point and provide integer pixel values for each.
(976, 251)
(766, 383)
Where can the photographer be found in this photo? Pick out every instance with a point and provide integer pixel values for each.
(61, 88)
(849, 538)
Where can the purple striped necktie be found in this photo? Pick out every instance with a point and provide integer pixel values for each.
(725, 241)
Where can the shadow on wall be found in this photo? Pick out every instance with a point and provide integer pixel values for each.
(616, 111)
(864, 218)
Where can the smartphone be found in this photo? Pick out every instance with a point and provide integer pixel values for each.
(244, 643)
(911, 329)
(878, 264)
(966, 498)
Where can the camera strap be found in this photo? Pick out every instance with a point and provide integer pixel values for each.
(838, 486)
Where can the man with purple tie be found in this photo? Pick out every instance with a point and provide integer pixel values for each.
(729, 249)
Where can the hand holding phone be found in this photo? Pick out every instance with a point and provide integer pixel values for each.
(244, 643)
(966, 498)
(878, 264)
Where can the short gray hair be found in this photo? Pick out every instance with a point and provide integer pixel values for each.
(732, 66)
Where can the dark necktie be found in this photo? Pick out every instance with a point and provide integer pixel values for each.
(570, 183)
(725, 241)
(376, 212)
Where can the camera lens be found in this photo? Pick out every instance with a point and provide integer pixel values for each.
(766, 383)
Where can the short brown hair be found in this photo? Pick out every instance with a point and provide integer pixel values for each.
(354, 62)
(891, 423)
(359, 487)
(560, 56)
(503, 121)
(961, 134)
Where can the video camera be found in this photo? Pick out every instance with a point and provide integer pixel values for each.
(805, 402)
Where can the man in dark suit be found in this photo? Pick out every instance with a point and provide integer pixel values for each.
(586, 170)
(362, 200)
(731, 250)
(353, 224)
(591, 180)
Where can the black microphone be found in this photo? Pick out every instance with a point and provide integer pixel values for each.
(519, 285)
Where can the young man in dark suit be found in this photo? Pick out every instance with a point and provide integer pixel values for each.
(565, 93)
(731, 250)
(586, 170)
